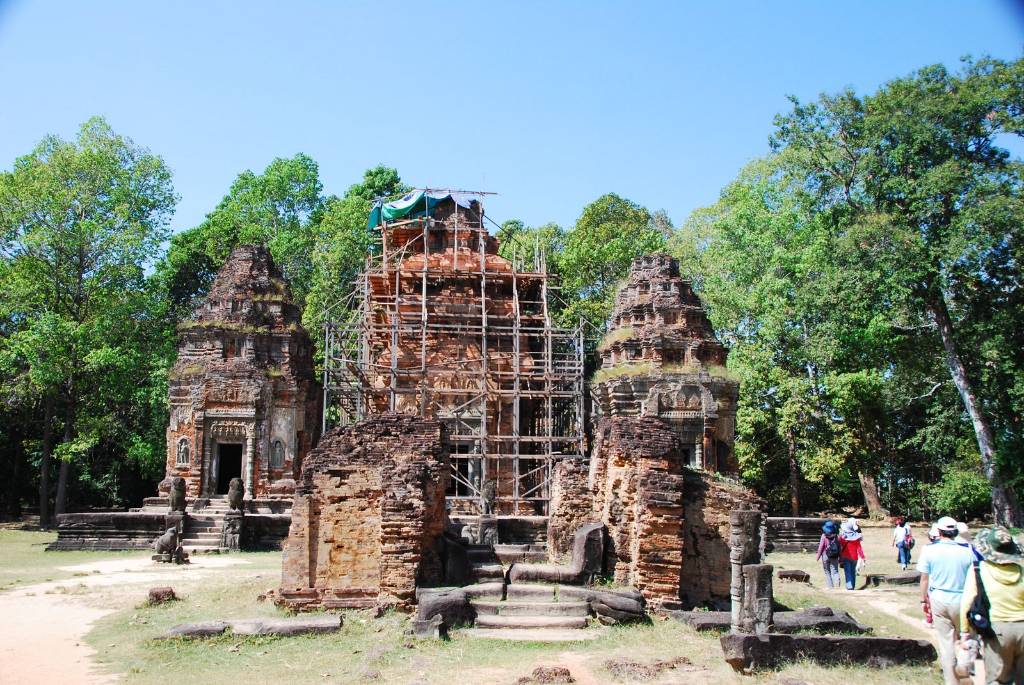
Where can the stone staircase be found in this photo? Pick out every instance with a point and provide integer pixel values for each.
(489, 562)
(204, 526)
(527, 612)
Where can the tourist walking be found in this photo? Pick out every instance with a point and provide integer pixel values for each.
(1002, 581)
(903, 541)
(944, 568)
(829, 549)
(851, 552)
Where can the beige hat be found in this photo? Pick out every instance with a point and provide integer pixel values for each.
(946, 524)
(962, 530)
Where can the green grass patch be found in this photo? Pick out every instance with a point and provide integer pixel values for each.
(25, 561)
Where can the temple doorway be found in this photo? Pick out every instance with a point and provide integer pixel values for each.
(229, 465)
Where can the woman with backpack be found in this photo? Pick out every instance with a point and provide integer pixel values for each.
(1002, 593)
(851, 551)
(828, 554)
(903, 541)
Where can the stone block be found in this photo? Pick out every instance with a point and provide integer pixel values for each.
(905, 578)
(794, 575)
(433, 628)
(159, 595)
(749, 652)
(201, 629)
(452, 605)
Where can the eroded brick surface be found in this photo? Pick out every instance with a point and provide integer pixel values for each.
(668, 524)
(368, 516)
(661, 359)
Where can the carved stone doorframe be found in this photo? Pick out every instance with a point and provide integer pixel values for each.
(227, 431)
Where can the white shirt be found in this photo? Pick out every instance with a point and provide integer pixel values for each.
(900, 533)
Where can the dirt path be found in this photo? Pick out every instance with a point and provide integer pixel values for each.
(42, 632)
(893, 609)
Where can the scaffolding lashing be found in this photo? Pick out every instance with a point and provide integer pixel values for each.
(441, 325)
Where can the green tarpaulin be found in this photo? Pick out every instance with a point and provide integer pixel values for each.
(410, 206)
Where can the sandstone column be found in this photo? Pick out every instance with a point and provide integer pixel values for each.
(746, 547)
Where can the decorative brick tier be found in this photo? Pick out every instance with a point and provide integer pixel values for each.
(661, 359)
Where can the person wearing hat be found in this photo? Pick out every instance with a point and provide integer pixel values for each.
(944, 568)
(1003, 581)
(829, 549)
(964, 540)
(852, 551)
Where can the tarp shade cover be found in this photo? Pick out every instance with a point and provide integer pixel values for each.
(413, 205)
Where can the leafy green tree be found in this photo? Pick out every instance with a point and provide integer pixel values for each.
(280, 207)
(342, 243)
(80, 222)
(917, 168)
(597, 254)
(531, 246)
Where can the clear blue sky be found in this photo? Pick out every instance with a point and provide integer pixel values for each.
(549, 104)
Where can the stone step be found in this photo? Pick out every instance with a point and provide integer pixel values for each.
(488, 571)
(531, 622)
(491, 590)
(189, 537)
(514, 608)
(531, 592)
(202, 549)
(520, 556)
(481, 555)
(534, 634)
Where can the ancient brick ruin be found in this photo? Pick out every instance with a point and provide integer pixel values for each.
(660, 358)
(667, 524)
(368, 516)
(244, 401)
(447, 328)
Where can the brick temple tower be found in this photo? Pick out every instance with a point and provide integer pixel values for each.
(244, 401)
(660, 358)
(443, 326)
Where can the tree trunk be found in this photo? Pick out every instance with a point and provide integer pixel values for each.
(794, 475)
(1005, 505)
(44, 464)
(60, 505)
(873, 501)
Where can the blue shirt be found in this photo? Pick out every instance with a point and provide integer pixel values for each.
(947, 565)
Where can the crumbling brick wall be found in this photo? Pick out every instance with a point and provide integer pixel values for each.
(571, 506)
(668, 525)
(635, 470)
(368, 516)
(705, 575)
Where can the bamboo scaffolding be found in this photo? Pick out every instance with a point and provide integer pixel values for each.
(433, 280)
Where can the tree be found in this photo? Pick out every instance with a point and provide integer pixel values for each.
(917, 168)
(81, 220)
(342, 243)
(597, 254)
(280, 208)
(531, 246)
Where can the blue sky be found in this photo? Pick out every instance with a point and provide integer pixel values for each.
(549, 104)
